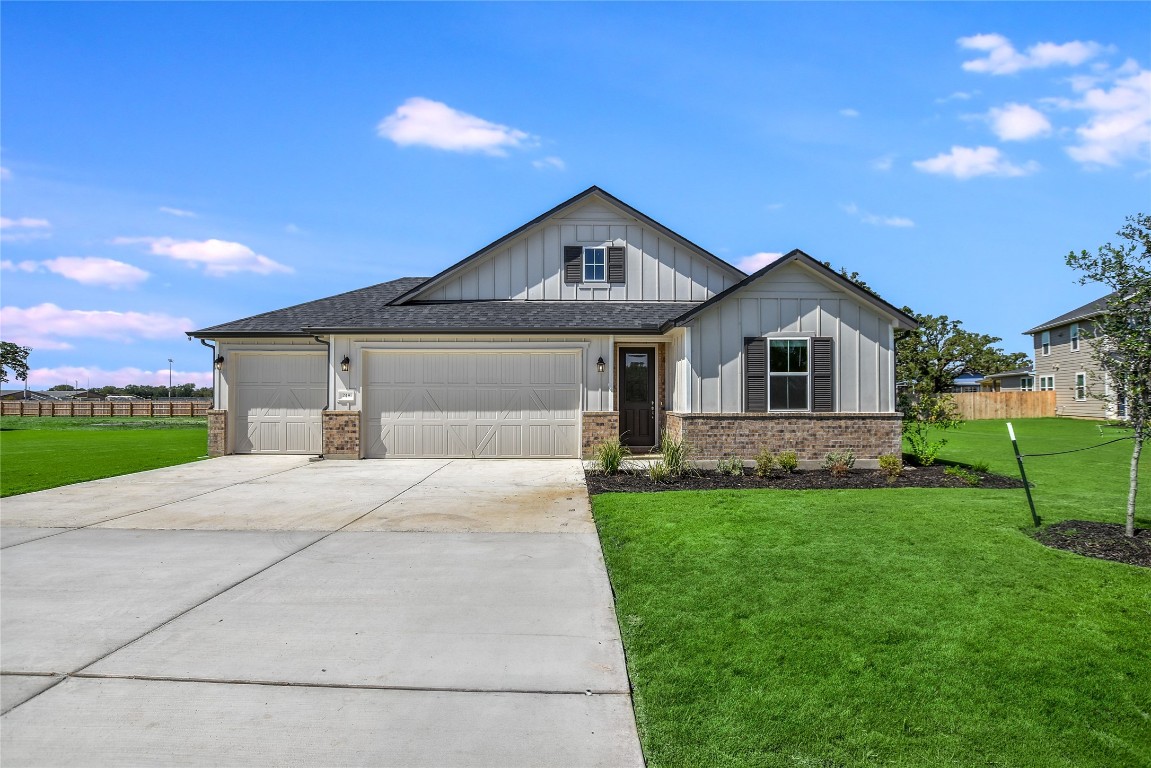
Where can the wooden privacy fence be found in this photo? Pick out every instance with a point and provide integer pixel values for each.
(103, 408)
(1005, 405)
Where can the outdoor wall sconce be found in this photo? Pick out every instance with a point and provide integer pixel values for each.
(219, 362)
(346, 364)
(600, 365)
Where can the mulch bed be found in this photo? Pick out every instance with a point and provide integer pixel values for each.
(1107, 541)
(801, 480)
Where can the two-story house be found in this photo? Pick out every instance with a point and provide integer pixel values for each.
(1063, 363)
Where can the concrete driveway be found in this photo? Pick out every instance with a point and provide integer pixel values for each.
(277, 611)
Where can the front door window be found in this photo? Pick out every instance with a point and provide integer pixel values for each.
(637, 397)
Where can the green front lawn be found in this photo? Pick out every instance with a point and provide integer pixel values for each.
(38, 453)
(909, 627)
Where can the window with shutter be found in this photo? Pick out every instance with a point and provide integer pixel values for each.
(755, 375)
(822, 367)
(573, 263)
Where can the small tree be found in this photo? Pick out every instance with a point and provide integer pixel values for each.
(1122, 344)
(924, 411)
(14, 357)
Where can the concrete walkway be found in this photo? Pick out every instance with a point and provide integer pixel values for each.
(276, 611)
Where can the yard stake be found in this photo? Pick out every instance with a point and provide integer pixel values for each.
(1023, 475)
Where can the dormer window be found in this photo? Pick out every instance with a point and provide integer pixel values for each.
(594, 265)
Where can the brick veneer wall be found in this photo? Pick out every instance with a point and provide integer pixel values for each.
(217, 433)
(341, 434)
(597, 427)
(811, 435)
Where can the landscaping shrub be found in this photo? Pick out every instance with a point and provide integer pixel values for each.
(764, 463)
(610, 455)
(659, 471)
(970, 478)
(730, 466)
(891, 464)
(788, 461)
(981, 466)
(676, 454)
(839, 463)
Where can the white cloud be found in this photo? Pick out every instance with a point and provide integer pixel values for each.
(19, 266)
(849, 112)
(957, 96)
(218, 257)
(292, 229)
(1018, 122)
(100, 377)
(879, 221)
(47, 326)
(5, 174)
(883, 163)
(1119, 122)
(420, 121)
(179, 212)
(1002, 59)
(550, 164)
(23, 228)
(757, 261)
(92, 270)
(967, 162)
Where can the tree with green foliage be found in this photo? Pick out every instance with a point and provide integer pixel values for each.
(14, 357)
(929, 359)
(1122, 334)
(62, 388)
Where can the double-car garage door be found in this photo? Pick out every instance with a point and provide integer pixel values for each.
(471, 404)
(418, 404)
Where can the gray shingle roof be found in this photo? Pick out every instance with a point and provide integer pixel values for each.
(369, 310)
(1090, 309)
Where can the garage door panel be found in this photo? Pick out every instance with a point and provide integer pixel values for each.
(279, 402)
(487, 404)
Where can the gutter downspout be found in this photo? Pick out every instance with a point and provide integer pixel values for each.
(327, 344)
(215, 382)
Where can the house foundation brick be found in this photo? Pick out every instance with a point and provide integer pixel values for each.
(217, 432)
(811, 435)
(341, 434)
(598, 426)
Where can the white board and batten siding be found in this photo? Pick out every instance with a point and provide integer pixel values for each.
(530, 267)
(279, 399)
(470, 403)
(790, 301)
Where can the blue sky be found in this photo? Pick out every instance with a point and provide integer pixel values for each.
(170, 166)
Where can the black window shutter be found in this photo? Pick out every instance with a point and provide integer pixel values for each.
(822, 365)
(573, 264)
(616, 269)
(755, 374)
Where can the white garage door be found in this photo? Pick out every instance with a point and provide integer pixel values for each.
(464, 404)
(279, 400)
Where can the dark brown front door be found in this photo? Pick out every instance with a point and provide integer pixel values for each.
(637, 397)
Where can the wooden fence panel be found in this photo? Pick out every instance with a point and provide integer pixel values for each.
(1005, 405)
(93, 408)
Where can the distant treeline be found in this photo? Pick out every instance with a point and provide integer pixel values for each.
(140, 390)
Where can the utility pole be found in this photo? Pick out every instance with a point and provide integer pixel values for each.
(169, 379)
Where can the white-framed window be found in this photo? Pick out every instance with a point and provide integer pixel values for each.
(1045, 342)
(1081, 386)
(788, 375)
(1075, 337)
(594, 264)
(1026, 383)
(1046, 383)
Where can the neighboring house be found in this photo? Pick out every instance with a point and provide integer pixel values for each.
(1063, 363)
(26, 394)
(968, 381)
(591, 322)
(1019, 380)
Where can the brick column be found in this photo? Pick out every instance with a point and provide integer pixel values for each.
(217, 433)
(598, 426)
(341, 434)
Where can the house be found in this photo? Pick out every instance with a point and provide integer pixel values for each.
(590, 322)
(1018, 380)
(968, 381)
(27, 394)
(1063, 362)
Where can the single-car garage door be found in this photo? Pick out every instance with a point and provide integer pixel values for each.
(472, 404)
(280, 397)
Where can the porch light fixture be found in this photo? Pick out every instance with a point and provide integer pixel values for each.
(219, 362)
(600, 365)
(346, 364)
